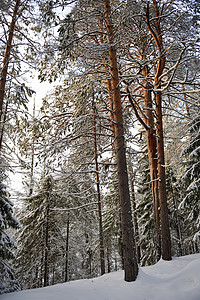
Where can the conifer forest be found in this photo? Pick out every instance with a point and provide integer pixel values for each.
(100, 160)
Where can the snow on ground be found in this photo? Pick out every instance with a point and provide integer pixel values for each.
(178, 279)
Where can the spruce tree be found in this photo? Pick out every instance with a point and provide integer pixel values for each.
(38, 237)
(191, 179)
(8, 282)
(146, 216)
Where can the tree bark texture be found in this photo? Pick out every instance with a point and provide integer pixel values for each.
(152, 155)
(4, 70)
(165, 231)
(157, 36)
(128, 240)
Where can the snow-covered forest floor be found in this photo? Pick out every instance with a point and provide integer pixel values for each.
(178, 279)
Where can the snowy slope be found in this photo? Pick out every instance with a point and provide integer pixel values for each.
(178, 279)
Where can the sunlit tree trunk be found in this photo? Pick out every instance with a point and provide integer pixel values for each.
(111, 110)
(128, 240)
(165, 232)
(152, 155)
(157, 35)
(4, 70)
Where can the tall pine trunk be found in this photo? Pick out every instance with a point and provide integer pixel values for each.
(152, 155)
(157, 36)
(165, 232)
(4, 70)
(128, 240)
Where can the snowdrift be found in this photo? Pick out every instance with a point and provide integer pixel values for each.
(166, 280)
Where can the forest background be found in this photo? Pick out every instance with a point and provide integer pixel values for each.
(110, 162)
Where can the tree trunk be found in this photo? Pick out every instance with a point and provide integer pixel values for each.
(152, 155)
(129, 247)
(165, 231)
(186, 103)
(3, 122)
(41, 270)
(101, 241)
(157, 36)
(177, 226)
(108, 258)
(46, 247)
(4, 70)
(135, 220)
(32, 154)
(67, 252)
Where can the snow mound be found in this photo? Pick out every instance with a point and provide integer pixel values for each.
(166, 280)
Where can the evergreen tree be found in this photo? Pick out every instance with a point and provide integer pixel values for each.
(146, 216)
(178, 224)
(8, 282)
(112, 223)
(191, 179)
(39, 234)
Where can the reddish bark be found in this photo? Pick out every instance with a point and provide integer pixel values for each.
(157, 36)
(4, 70)
(165, 231)
(129, 247)
(152, 155)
